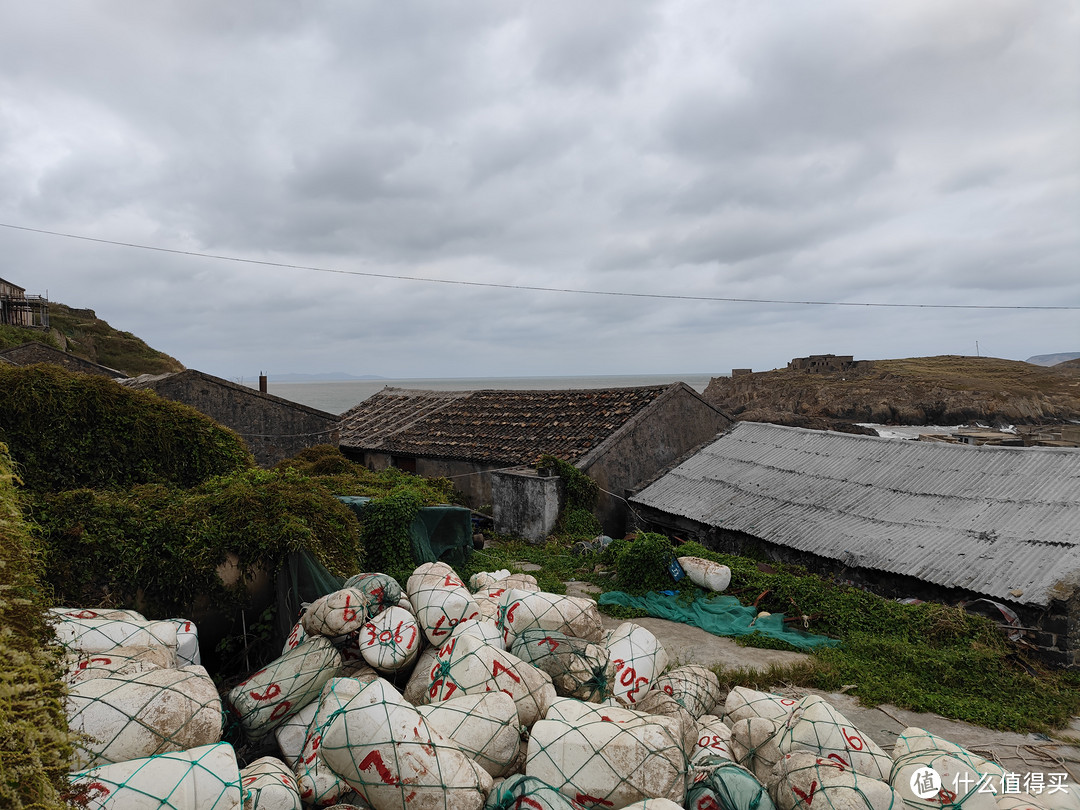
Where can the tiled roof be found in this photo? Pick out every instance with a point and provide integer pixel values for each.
(507, 427)
(998, 521)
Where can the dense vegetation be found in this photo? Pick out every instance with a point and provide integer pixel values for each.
(69, 430)
(927, 657)
(35, 750)
(85, 335)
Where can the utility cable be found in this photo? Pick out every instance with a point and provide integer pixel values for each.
(528, 287)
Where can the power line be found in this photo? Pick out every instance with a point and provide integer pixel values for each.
(527, 287)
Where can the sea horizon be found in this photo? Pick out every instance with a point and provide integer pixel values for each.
(338, 396)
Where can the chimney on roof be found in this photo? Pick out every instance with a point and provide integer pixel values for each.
(262, 383)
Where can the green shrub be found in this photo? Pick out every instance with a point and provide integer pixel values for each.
(35, 747)
(70, 431)
(159, 547)
(576, 520)
(641, 564)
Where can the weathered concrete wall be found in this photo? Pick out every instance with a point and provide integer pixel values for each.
(273, 428)
(525, 503)
(1053, 630)
(675, 424)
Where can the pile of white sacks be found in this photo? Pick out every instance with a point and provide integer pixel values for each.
(511, 699)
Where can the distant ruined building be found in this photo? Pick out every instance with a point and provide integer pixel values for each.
(819, 363)
(19, 309)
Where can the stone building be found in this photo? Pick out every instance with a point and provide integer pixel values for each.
(619, 437)
(823, 363)
(27, 354)
(273, 428)
(19, 309)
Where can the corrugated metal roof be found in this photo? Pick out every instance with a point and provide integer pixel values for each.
(987, 519)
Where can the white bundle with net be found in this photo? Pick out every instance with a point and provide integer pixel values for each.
(574, 712)
(538, 610)
(297, 636)
(714, 739)
(417, 689)
(128, 717)
(269, 785)
(694, 687)
(187, 643)
(441, 600)
(803, 779)
(485, 579)
(815, 726)
(336, 614)
(712, 576)
(1061, 796)
(519, 791)
(932, 779)
(488, 607)
(602, 764)
(654, 804)
(912, 740)
(103, 635)
(206, 778)
(382, 590)
(577, 667)
(469, 666)
(391, 641)
(720, 784)
(359, 670)
(485, 727)
(292, 732)
(742, 702)
(64, 613)
(387, 752)
(316, 781)
(655, 703)
(118, 661)
(521, 582)
(285, 686)
(637, 657)
(485, 629)
(754, 745)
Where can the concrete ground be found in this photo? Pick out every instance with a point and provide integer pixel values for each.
(1019, 753)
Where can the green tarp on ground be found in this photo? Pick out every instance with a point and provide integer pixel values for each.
(719, 615)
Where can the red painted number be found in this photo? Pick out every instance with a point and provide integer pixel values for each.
(497, 668)
(585, 798)
(453, 582)
(248, 780)
(808, 798)
(280, 710)
(706, 802)
(314, 749)
(375, 759)
(552, 643)
(272, 691)
(668, 689)
(854, 741)
(348, 614)
(839, 760)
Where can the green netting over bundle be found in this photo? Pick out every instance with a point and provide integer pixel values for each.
(804, 780)
(316, 781)
(720, 784)
(577, 668)
(485, 727)
(755, 745)
(269, 783)
(817, 727)
(743, 702)
(694, 687)
(608, 763)
(389, 754)
(520, 791)
(206, 777)
(719, 615)
(281, 689)
(382, 589)
(153, 712)
(913, 740)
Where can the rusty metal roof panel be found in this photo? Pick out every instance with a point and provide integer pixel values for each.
(992, 520)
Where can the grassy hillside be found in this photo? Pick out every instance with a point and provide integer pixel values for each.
(81, 333)
(913, 391)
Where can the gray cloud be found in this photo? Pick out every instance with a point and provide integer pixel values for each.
(829, 150)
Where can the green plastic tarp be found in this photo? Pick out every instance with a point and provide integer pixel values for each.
(437, 532)
(719, 615)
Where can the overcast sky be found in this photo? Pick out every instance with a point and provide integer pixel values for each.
(900, 152)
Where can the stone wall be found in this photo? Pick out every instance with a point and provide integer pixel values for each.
(273, 428)
(34, 352)
(525, 502)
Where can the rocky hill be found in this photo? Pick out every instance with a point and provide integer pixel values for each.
(947, 390)
(81, 333)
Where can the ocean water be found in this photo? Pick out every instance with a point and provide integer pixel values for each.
(338, 397)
